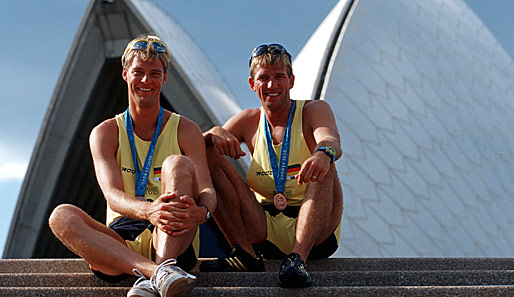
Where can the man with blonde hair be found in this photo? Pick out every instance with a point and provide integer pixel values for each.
(291, 204)
(151, 166)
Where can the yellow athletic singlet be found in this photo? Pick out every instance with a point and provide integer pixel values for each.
(280, 228)
(167, 144)
(260, 175)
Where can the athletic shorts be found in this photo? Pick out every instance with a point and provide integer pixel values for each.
(281, 226)
(138, 237)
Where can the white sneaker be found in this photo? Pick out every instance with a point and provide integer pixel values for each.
(171, 281)
(142, 287)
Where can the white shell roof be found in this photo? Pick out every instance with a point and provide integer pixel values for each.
(423, 96)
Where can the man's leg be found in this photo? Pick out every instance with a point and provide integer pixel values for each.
(99, 245)
(178, 176)
(238, 214)
(313, 225)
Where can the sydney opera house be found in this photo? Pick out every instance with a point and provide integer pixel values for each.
(424, 101)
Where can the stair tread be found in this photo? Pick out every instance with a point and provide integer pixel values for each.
(339, 264)
(352, 276)
(257, 279)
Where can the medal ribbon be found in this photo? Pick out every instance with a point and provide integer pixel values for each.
(280, 168)
(142, 175)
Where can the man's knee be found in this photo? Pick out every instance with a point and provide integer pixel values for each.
(174, 164)
(62, 213)
(62, 218)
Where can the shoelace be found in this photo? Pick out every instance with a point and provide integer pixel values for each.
(161, 272)
(138, 273)
(141, 276)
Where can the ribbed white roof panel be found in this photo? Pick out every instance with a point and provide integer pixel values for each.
(423, 96)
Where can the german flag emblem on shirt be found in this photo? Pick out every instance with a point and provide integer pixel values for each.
(157, 174)
(293, 169)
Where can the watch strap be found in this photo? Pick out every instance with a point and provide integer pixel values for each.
(208, 214)
(329, 151)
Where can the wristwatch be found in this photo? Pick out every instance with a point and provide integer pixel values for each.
(208, 214)
(329, 151)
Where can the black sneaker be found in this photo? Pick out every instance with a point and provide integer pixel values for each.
(293, 273)
(238, 260)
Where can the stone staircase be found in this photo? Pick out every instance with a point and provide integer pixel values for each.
(332, 277)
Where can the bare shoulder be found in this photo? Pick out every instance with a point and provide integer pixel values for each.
(317, 110)
(103, 139)
(105, 130)
(247, 115)
(316, 105)
(243, 120)
(190, 137)
(185, 126)
(251, 112)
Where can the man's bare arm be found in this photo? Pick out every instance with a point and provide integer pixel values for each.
(320, 120)
(228, 139)
(192, 144)
(103, 143)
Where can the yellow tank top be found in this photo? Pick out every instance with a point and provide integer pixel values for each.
(260, 175)
(167, 144)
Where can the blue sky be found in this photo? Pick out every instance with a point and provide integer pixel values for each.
(37, 35)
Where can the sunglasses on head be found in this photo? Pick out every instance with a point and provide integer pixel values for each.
(273, 48)
(158, 46)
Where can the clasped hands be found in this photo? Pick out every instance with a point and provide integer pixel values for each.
(175, 215)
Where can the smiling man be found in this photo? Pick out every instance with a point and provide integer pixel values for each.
(151, 166)
(291, 204)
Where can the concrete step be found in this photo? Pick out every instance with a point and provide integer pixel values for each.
(82, 279)
(269, 279)
(349, 276)
(492, 291)
(64, 292)
(457, 291)
(360, 279)
(43, 266)
(335, 264)
(401, 264)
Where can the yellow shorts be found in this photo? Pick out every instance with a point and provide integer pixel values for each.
(138, 236)
(143, 244)
(282, 230)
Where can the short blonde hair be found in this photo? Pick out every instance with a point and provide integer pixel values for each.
(271, 59)
(146, 54)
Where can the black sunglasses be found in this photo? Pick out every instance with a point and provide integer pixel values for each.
(273, 48)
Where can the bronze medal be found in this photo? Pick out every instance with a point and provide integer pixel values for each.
(280, 201)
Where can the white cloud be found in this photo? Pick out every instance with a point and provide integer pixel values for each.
(13, 163)
(12, 171)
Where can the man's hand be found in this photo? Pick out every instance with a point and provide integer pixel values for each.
(174, 217)
(226, 143)
(315, 168)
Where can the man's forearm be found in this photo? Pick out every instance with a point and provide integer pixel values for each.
(126, 205)
(208, 199)
(207, 136)
(332, 142)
